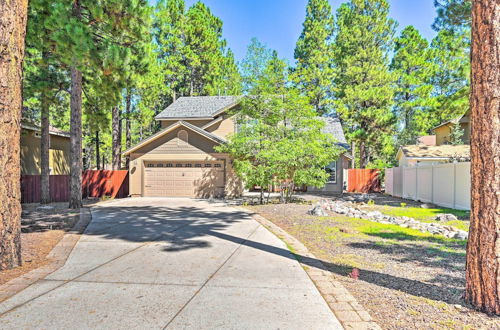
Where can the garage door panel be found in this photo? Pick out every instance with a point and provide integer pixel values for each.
(186, 179)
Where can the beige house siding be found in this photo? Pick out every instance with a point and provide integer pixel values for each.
(223, 128)
(443, 132)
(170, 148)
(30, 154)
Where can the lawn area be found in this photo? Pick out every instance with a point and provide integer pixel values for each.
(408, 279)
(424, 215)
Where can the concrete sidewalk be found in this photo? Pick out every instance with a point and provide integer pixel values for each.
(176, 264)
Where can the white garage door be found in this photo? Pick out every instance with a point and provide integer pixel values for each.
(184, 179)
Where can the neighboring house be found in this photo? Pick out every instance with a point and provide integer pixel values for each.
(336, 182)
(30, 150)
(180, 160)
(416, 155)
(444, 130)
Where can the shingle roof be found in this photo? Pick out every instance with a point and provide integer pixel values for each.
(334, 127)
(52, 130)
(197, 107)
(443, 151)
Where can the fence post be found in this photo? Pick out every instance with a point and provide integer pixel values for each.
(432, 183)
(454, 185)
(416, 183)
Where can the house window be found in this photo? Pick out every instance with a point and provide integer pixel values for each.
(188, 165)
(331, 169)
(217, 165)
(151, 165)
(208, 165)
(182, 137)
(178, 165)
(169, 165)
(159, 165)
(197, 165)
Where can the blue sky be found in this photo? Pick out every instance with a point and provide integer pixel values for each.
(278, 23)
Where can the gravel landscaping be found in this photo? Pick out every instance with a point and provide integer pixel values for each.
(408, 279)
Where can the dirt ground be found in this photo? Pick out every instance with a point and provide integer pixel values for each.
(41, 229)
(408, 279)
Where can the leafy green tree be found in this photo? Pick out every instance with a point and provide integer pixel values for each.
(253, 65)
(413, 66)
(279, 139)
(364, 84)
(314, 52)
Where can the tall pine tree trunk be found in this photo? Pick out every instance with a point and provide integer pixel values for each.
(116, 139)
(128, 132)
(97, 145)
(75, 153)
(483, 248)
(362, 155)
(45, 151)
(12, 32)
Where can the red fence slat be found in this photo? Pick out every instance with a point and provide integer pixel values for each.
(94, 184)
(363, 180)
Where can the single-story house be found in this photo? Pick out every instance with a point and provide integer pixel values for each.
(181, 161)
(416, 155)
(30, 150)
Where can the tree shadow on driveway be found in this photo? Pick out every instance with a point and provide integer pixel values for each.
(187, 227)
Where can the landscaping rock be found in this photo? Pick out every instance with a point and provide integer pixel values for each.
(318, 211)
(345, 206)
(445, 217)
(461, 234)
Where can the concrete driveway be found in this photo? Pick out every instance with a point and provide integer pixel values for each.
(154, 263)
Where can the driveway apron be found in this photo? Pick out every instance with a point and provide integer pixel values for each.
(172, 263)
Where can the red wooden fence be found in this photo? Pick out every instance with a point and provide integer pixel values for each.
(30, 188)
(105, 183)
(94, 184)
(363, 180)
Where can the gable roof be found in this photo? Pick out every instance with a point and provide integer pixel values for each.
(333, 126)
(164, 131)
(200, 107)
(462, 119)
(435, 152)
(52, 130)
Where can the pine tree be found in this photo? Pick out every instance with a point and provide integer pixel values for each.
(12, 33)
(44, 80)
(314, 52)
(456, 134)
(365, 85)
(206, 56)
(482, 288)
(413, 102)
(168, 35)
(450, 51)
(98, 37)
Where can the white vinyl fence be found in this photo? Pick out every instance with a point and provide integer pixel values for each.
(446, 185)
